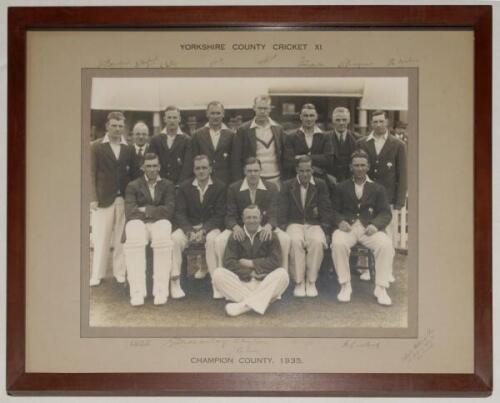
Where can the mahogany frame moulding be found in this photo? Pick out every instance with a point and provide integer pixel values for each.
(475, 18)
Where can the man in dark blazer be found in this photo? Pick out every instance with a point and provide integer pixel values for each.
(344, 144)
(252, 190)
(361, 213)
(309, 140)
(305, 206)
(112, 166)
(173, 147)
(252, 276)
(149, 209)
(263, 138)
(199, 215)
(215, 140)
(140, 135)
(388, 166)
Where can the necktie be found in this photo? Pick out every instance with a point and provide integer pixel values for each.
(140, 151)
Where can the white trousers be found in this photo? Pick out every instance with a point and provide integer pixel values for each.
(379, 243)
(107, 222)
(308, 243)
(223, 238)
(255, 294)
(180, 243)
(138, 235)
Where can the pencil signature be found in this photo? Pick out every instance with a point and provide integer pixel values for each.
(149, 62)
(108, 63)
(237, 346)
(420, 347)
(357, 344)
(306, 62)
(267, 59)
(401, 61)
(216, 62)
(349, 63)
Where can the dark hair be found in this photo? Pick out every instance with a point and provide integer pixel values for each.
(379, 112)
(303, 159)
(360, 154)
(308, 106)
(150, 156)
(202, 157)
(252, 160)
(251, 207)
(115, 115)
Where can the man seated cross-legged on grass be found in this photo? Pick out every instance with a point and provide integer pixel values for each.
(252, 276)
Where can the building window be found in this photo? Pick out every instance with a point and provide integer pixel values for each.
(288, 108)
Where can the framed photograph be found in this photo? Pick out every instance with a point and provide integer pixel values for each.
(250, 201)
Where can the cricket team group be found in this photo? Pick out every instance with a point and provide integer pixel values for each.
(262, 203)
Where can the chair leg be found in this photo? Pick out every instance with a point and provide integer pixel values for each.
(149, 269)
(371, 265)
(184, 270)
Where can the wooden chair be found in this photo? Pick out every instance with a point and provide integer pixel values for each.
(359, 254)
(193, 259)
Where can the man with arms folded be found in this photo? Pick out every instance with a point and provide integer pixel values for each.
(304, 206)
(361, 213)
(112, 166)
(252, 190)
(173, 147)
(263, 138)
(199, 214)
(344, 144)
(215, 140)
(149, 208)
(252, 276)
(309, 140)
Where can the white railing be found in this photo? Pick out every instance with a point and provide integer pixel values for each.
(400, 234)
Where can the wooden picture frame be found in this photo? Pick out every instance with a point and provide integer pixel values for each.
(475, 18)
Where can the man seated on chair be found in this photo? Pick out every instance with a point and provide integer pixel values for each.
(149, 207)
(252, 276)
(252, 190)
(199, 214)
(361, 212)
(304, 206)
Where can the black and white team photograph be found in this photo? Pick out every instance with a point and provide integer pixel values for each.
(249, 203)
